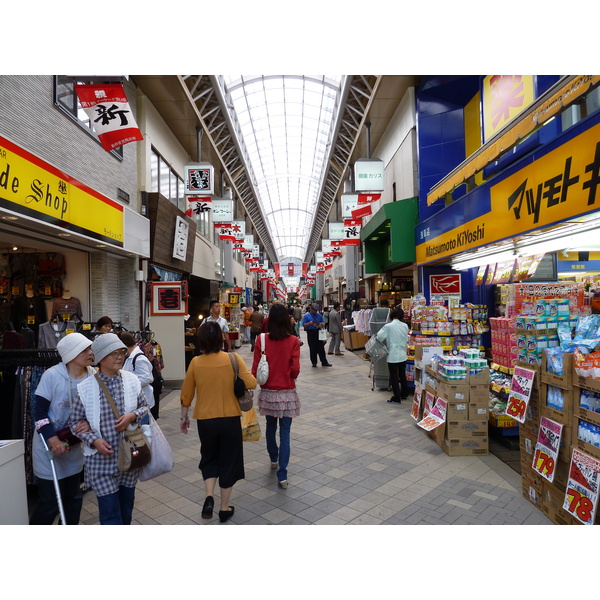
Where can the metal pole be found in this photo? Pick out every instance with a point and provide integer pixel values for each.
(50, 454)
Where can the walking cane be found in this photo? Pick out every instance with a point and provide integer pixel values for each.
(50, 454)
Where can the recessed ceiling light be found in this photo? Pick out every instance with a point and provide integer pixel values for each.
(9, 218)
(100, 245)
(64, 235)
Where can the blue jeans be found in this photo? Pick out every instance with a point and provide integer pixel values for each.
(281, 454)
(117, 508)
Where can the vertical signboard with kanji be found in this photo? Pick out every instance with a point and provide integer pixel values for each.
(169, 298)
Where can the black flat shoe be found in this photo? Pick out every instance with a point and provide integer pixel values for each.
(207, 509)
(393, 400)
(327, 365)
(225, 515)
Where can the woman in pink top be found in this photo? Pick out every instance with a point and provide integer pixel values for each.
(277, 399)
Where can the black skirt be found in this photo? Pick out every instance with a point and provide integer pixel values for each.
(221, 450)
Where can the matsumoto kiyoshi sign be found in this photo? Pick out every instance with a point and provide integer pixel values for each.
(555, 185)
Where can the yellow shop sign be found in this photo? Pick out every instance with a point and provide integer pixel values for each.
(557, 186)
(34, 188)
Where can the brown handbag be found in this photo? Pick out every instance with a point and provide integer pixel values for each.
(134, 450)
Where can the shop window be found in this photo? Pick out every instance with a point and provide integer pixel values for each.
(66, 100)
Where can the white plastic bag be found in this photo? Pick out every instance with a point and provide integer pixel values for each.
(262, 370)
(162, 459)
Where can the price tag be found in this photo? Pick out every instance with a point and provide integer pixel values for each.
(581, 497)
(520, 392)
(547, 448)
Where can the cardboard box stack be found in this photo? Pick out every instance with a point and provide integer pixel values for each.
(463, 382)
(552, 397)
(504, 341)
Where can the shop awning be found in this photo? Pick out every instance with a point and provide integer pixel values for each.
(389, 236)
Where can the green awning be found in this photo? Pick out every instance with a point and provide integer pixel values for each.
(389, 237)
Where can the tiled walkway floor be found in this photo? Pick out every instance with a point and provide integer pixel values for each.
(355, 460)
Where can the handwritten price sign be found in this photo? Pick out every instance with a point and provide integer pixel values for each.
(581, 497)
(547, 448)
(416, 405)
(520, 392)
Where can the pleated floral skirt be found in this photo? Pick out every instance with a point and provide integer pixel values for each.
(278, 403)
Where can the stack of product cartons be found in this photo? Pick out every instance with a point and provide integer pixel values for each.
(465, 432)
(504, 341)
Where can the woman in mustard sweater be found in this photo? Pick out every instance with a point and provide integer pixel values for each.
(217, 411)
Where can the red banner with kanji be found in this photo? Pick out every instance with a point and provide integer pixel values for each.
(108, 109)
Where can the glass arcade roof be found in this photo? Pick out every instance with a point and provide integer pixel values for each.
(286, 124)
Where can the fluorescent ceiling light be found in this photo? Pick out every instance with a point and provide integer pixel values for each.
(478, 261)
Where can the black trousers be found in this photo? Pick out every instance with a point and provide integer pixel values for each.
(47, 507)
(316, 347)
(398, 380)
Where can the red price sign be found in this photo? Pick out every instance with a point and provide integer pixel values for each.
(516, 408)
(579, 505)
(543, 463)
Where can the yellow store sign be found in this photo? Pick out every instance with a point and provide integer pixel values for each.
(559, 185)
(36, 189)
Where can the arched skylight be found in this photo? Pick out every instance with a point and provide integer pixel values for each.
(286, 124)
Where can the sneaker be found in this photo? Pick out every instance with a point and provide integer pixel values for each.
(274, 465)
(283, 484)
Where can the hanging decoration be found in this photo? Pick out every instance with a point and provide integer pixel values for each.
(108, 109)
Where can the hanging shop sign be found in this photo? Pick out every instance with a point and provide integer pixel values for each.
(225, 231)
(368, 198)
(336, 230)
(557, 184)
(248, 242)
(352, 232)
(199, 179)
(108, 109)
(445, 284)
(168, 298)
(276, 270)
(239, 230)
(581, 497)
(328, 262)
(362, 211)
(349, 203)
(198, 205)
(304, 269)
(36, 189)
(222, 210)
(180, 244)
(290, 269)
(503, 98)
(368, 175)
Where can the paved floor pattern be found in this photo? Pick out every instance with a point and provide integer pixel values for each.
(355, 460)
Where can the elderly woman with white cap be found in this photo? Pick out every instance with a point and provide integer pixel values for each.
(115, 490)
(52, 411)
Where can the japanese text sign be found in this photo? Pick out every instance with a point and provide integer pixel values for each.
(368, 175)
(199, 179)
(169, 298)
(222, 210)
(416, 403)
(581, 497)
(546, 448)
(108, 109)
(520, 392)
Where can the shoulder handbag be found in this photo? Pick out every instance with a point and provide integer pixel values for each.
(162, 458)
(134, 451)
(244, 396)
(262, 370)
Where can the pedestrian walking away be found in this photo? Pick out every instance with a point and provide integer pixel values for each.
(217, 411)
(278, 400)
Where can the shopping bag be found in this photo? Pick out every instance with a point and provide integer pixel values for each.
(162, 458)
(250, 426)
(323, 335)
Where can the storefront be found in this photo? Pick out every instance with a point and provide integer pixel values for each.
(390, 253)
